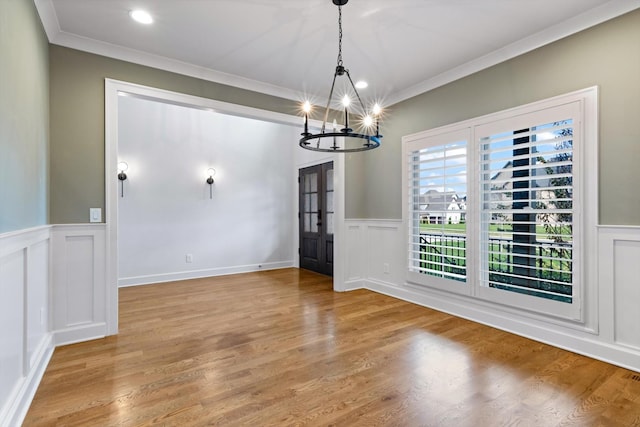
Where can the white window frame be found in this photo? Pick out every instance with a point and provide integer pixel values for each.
(410, 145)
(583, 308)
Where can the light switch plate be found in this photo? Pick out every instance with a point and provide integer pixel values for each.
(95, 214)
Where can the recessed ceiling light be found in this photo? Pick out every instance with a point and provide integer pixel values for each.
(141, 16)
(361, 84)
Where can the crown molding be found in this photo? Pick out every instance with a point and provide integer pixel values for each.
(48, 17)
(58, 37)
(167, 64)
(605, 12)
(595, 16)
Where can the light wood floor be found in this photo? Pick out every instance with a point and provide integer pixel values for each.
(281, 348)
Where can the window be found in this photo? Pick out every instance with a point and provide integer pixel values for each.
(495, 205)
(527, 211)
(438, 187)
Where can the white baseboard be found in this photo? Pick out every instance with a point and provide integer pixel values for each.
(197, 274)
(586, 344)
(27, 390)
(79, 333)
(352, 285)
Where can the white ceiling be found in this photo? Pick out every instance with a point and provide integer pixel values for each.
(288, 48)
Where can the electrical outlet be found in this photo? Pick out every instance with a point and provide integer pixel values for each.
(189, 258)
(385, 268)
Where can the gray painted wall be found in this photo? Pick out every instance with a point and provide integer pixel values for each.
(77, 122)
(607, 55)
(24, 117)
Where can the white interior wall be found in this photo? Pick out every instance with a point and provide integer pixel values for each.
(167, 213)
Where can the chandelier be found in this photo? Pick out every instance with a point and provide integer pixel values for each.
(344, 140)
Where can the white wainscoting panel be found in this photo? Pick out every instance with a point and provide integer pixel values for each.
(381, 268)
(25, 343)
(12, 316)
(78, 291)
(626, 273)
(384, 251)
(37, 298)
(620, 275)
(355, 261)
(373, 252)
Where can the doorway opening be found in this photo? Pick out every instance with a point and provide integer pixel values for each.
(114, 90)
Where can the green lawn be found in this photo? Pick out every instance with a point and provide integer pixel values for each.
(449, 227)
(493, 228)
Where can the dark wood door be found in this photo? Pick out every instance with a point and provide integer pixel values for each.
(316, 218)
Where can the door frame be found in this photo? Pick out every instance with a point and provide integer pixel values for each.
(116, 88)
(322, 219)
(306, 158)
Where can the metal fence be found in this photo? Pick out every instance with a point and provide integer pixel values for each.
(444, 253)
(549, 264)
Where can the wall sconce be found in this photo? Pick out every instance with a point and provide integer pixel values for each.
(122, 167)
(210, 173)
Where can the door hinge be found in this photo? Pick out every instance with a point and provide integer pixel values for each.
(298, 215)
(298, 251)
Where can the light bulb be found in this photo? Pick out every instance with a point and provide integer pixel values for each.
(368, 121)
(346, 101)
(211, 172)
(306, 107)
(377, 109)
(122, 166)
(141, 16)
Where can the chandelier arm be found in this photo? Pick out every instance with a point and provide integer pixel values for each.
(364, 111)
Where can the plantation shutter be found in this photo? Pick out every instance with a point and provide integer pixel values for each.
(503, 208)
(437, 189)
(528, 204)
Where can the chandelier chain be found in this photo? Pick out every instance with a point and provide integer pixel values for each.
(340, 35)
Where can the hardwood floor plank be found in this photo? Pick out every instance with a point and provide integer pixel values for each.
(280, 348)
